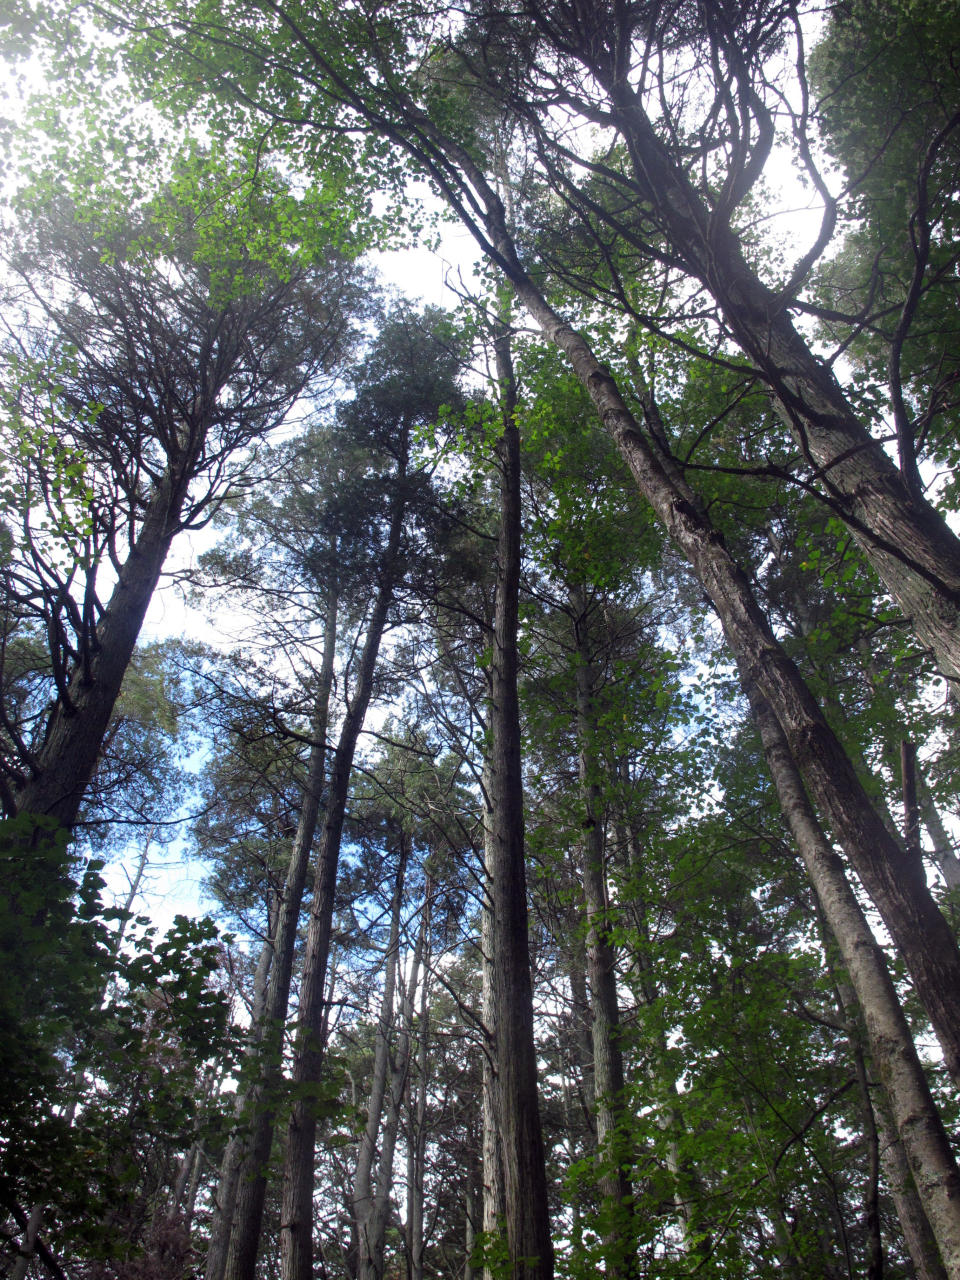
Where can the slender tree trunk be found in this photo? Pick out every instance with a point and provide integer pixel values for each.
(614, 1149)
(416, 1170)
(582, 1020)
(849, 1010)
(74, 734)
(469, 1230)
(397, 1094)
(235, 1239)
(366, 1199)
(525, 1186)
(943, 847)
(185, 1175)
(296, 1229)
(885, 1147)
(28, 1244)
(492, 1153)
(894, 1053)
(894, 880)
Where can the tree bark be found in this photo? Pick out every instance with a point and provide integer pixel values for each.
(892, 1049)
(525, 1188)
(885, 1145)
(943, 847)
(28, 1244)
(849, 1010)
(417, 1118)
(903, 1192)
(296, 1229)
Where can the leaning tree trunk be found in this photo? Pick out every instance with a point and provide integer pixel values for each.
(524, 1174)
(885, 1145)
(899, 1181)
(894, 880)
(64, 765)
(943, 847)
(906, 540)
(296, 1229)
(235, 1241)
(892, 1049)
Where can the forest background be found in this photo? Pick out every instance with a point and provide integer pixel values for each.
(577, 784)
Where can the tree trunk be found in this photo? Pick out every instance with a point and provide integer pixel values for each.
(614, 1149)
(74, 734)
(849, 1010)
(893, 1161)
(525, 1187)
(905, 539)
(903, 1192)
(296, 1230)
(493, 1204)
(28, 1244)
(943, 847)
(235, 1241)
(894, 880)
(365, 1198)
(891, 1045)
(582, 1028)
(417, 1120)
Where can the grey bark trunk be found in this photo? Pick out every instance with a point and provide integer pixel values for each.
(235, 1240)
(28, 1244)
(906, 540)
(416, 1164)
(399, 1093)
(913, 1221)
(849, 1010)
(894, 880)
(943, 847)
(582, 1030)
(296, 1230)
(892, 1049)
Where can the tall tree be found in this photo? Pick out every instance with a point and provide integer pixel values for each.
(186, 350)
(408, 376)
(524, 1174)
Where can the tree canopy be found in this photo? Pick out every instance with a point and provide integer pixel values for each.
(569, 756)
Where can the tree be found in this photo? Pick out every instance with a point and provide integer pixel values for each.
(747, 1132)
(424, 121)
(183, 349)
(408, 376)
